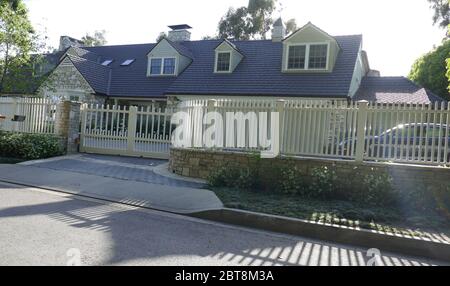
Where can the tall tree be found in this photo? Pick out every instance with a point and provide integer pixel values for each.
(98, 39)
(16, 38)
(291, 26)
(251, 22)
(430, 70)
(441, 12)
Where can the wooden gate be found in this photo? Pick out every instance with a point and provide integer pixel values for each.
(128, 131)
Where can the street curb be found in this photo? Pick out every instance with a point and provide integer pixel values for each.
(333, 233)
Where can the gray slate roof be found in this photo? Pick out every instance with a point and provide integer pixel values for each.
(394, 90)
(258, 74)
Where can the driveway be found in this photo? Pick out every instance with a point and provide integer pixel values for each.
(44, 228)
(134, 181)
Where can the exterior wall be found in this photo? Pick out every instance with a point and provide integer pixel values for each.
(311, 35)
(237, 97)
(199, 164)
(358, 74)
(165, 50)
(66, 82)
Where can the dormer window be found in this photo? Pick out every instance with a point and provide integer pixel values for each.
(223, 63)
(318, 56)
(308, 57)
(162, 66)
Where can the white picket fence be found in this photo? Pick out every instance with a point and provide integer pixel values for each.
(27, 115)
(124, 130)
(361, 131)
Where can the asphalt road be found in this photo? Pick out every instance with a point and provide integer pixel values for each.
(45, 228)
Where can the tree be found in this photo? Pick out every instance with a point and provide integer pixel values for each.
(244, 23)
(441, 15)
(16, 39)
(291, 26)
(161, 36)
(430, 70)
(98, 39)
(448, 74)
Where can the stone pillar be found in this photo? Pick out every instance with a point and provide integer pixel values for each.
(67, 125)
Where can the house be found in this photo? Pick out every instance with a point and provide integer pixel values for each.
(308, 64)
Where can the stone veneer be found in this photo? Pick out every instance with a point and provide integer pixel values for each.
(199, 164)
(65, 80)
(67, 125)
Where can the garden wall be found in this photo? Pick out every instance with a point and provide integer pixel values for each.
(199, 164)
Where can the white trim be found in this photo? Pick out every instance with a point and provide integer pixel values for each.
(149, 66)
(217, 61)
(307, 45)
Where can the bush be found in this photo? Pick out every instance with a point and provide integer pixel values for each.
(291, 181)
(233, 176)
(323, 183)
(377, 190)
(29, 146)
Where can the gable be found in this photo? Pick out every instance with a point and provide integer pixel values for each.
(307, 35)
(166, 49)
(235, 55)
(66, 77)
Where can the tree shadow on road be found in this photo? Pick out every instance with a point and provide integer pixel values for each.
(146, 238)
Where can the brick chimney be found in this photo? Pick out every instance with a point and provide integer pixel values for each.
(179, 33)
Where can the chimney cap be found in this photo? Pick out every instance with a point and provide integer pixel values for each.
(279, 22)
(180, 27)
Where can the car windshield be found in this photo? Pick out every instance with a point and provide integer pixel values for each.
(418, 130)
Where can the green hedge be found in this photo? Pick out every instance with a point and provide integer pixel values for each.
(29, 146)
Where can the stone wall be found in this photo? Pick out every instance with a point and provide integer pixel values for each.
(67, 125)
(199, 164)
(66, 81)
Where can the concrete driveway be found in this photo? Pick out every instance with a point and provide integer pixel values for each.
(134, 181)
(45, 228)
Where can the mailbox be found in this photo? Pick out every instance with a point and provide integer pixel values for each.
(19, 118)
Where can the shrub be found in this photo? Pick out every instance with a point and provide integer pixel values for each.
(291, 181)
(377, 191)
(233, 176)
(323, 182)
(29, 146)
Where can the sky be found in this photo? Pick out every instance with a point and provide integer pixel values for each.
(395, 32)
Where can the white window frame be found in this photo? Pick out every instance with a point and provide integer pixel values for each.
(307, 45)
(217, 61)
(149, 68)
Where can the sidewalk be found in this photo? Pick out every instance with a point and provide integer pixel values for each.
(182, 200)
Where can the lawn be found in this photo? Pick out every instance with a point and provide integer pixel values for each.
(4, 160)
(385, 219)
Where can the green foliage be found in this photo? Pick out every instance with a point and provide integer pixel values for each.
(430, 70)
(377, 190)
(244, 23)
(448, 73)
(28, 146)
(323, 182)
(291, 181)
(441, 12)
(233, 177)
(98, 39)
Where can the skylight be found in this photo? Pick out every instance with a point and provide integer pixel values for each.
(107, 62)
(127, 62)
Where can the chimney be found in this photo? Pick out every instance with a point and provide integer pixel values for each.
(179, 33)
(278, 31)
(66, 42)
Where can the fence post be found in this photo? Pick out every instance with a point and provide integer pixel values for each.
(361, 131)
(131, 133)
(83, 114)
(14, 112)
(280, 106)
